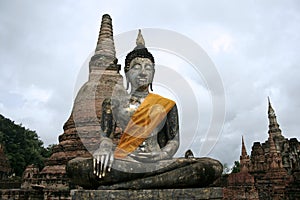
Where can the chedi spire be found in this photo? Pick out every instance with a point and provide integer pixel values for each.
(273, 124)
(105, 44)
(244, 151)
(272, 145)
(105, 53)
(244, 158)
(274, 158)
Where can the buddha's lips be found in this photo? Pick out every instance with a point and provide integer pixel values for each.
(143, 80)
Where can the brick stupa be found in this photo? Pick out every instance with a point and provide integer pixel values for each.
(82, 129)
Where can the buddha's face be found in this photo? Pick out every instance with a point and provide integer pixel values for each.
(141, 72)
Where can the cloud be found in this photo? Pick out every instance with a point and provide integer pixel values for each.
(222, 44)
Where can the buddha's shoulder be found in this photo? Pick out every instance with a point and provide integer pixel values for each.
(114, 101)
(160, 97)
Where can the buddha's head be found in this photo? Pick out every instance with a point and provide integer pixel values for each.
(139, 66)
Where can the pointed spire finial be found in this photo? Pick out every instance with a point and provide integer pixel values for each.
(273, 124)
(270, 109)
(244, 151)
(244, 158)
(140, 42)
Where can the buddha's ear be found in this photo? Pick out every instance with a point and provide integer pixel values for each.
(151, 88)
(127, 82)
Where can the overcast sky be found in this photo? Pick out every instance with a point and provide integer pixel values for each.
(253, 45)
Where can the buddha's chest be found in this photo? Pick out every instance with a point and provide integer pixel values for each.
(122, 113)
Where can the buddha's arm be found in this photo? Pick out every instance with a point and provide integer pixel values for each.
(103, 156)
(107, 122)
(172, 134)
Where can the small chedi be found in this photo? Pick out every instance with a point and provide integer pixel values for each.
(138, 138)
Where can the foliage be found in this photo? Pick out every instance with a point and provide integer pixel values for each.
(236, 167)
(22, 146)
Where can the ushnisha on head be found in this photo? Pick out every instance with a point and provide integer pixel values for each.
(139, 66)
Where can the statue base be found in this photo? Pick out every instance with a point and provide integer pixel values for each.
(187, 193)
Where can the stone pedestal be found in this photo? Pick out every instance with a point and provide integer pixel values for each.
(188, 193)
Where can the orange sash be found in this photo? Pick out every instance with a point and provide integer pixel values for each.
(145, 119)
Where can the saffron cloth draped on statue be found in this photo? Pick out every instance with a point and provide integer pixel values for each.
(145, 119)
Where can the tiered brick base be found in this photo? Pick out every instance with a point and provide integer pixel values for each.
(190, 193)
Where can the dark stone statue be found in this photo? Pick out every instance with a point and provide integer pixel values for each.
(140, 135)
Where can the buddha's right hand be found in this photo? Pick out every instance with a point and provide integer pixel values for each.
(103, 157)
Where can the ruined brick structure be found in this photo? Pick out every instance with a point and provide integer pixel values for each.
(30, 176)
(272, 170)
(277, 151)
(244, 158)
(241, 185)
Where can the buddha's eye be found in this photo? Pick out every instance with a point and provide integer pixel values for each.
(148, 67)
(137, 66)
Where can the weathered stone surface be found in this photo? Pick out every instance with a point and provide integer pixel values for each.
(273, 184)
(181, 173)
(293, 190)
(190, 193)
(240, 193)
(241, 185)
(272, 178)
(31, 194)
(241, 179)
(30, 176)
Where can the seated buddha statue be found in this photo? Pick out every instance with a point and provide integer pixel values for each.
(139, 137)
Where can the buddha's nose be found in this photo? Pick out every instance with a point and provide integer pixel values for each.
(143, 73)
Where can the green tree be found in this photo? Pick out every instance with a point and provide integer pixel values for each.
(22, 146)
(236, 167)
